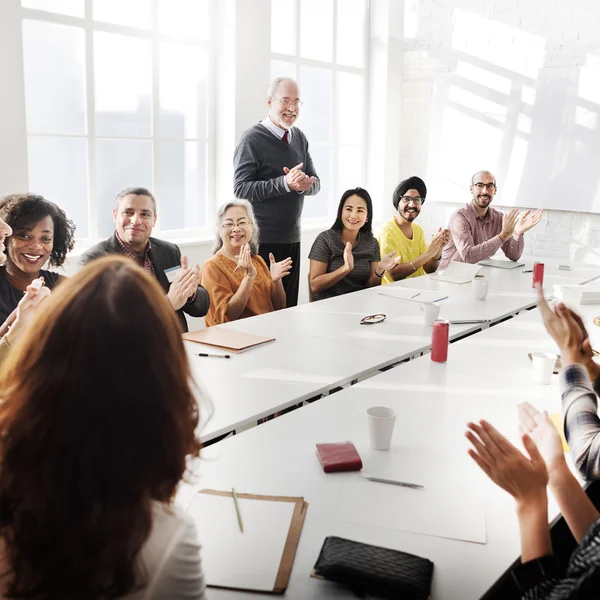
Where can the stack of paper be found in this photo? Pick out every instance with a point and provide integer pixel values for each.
(578, 294)
(457, 272)
(412, 294)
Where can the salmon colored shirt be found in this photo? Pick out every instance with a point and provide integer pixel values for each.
(222, 283)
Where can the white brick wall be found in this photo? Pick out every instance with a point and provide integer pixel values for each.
(569, 31)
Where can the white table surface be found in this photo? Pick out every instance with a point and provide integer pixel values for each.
(321, 345)
(434, 402)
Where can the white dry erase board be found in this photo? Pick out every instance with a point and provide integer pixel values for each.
(537, 130)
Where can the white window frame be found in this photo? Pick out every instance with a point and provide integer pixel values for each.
(309, 223)
(90, 26)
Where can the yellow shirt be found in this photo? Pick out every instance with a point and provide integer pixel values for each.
(391, 238)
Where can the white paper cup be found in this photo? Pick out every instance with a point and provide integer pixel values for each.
(543, 367)
(479, 287)
(431, 312)
(381, 426)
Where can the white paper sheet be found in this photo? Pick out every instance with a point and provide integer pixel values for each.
(451, 505)
(457, 272)
(230, 558)
(500, 264)
(412, 295)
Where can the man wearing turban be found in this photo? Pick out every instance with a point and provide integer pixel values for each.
(403, 235)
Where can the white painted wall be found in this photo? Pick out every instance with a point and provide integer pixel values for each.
(569, 30)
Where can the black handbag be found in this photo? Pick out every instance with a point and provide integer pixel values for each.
(373, 570)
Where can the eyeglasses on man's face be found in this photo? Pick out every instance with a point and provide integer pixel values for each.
(229, 225)
(285, 103)
(488, 186)
(416, 200)
(371, 319)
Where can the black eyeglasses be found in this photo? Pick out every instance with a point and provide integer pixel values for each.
(488, 186)
(372, 319)
(417, 200)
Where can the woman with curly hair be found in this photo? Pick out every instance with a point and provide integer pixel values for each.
(41, 235)
(97, 420)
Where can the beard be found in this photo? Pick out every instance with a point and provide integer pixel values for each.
(483, 200)
(409, 215)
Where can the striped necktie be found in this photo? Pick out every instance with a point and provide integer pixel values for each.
(286, 137)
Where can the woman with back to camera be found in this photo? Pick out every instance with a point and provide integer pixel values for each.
(42, 235)
(97, 417)
(346, 257)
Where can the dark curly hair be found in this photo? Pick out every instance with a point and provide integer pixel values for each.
(22, 211)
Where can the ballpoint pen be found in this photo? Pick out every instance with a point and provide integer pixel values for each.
(237, 510)
(204, 355)
(467, 321)
(414, 486)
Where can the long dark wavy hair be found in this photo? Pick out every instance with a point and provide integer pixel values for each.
(97, 417)
(361, 193)
(21, 211)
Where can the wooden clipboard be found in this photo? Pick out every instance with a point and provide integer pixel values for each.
(226, 339)
(291, 543)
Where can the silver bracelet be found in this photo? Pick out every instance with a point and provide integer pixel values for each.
(413, 266)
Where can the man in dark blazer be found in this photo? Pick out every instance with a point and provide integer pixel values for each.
(135, 216)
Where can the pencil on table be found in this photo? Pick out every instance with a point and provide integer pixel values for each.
(237, 509)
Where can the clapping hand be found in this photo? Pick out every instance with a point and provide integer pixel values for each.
(439, 241)
(279, 269)
(541, 430)
(348, 258)
(389, 261)
(567, 330)
(509, 222)
(245, 263)
(528, 221)
(297, 180)
(524, 477)
(185, 284)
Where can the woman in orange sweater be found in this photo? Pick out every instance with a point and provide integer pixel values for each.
(238, 280)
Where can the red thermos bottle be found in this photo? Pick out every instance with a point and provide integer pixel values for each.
(538, 274)
(439, 340)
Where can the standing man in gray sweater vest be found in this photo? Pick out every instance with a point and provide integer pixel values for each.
(274, 171)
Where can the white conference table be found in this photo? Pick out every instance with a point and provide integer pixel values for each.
(321, 346)
(434, 402)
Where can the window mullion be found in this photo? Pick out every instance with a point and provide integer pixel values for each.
(93, 231)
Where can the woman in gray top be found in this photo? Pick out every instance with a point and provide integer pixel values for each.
(346, 257)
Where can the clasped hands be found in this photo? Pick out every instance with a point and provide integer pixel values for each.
(297, 180)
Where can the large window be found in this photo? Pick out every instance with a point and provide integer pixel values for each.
(117, 95)
(322, 44)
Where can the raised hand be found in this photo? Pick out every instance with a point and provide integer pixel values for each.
(279, 269)
(389, 261)
(348, 258)
(566, 329)
(184, 286)
(541, 430)
(509, 222)
(528, 221)
(245, 263)
(524, 478)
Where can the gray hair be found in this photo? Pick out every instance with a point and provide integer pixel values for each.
(275, 85)
(250, 211)
(484, 172)
(136, 191)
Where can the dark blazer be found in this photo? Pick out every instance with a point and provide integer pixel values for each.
(163, 255)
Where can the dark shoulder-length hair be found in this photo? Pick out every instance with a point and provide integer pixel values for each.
(22, 211)
(97, 417)
(362, 193)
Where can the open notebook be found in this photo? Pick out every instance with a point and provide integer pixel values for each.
(260, 558)
(457, 272)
